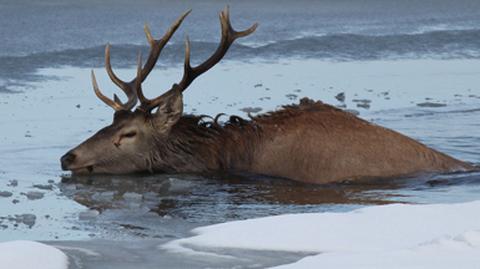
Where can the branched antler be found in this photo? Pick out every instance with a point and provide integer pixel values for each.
(133, 89)
(129, 88)
(229, 35)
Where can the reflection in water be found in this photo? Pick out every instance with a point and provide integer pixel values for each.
(165, 193)
(141, 203)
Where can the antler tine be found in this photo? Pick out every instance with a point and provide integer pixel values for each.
(156, 46)
(116, 106)
(133, 88)
(146, 104)
(126, 87)
(108, 66)
(229, 35)
(138, 83)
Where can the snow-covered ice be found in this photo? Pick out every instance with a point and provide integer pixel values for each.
(31, 254)
(390, 236)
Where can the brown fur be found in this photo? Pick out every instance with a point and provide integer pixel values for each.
(310, 142)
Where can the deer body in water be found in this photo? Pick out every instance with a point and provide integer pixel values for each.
(309, 142)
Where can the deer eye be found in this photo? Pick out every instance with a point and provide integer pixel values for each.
(130, 134)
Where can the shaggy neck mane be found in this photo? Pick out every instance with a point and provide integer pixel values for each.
(205, 145)
(199, 145)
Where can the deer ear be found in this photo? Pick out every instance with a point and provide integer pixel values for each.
(169, 111)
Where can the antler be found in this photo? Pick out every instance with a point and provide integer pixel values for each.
(132, 88)
(229, 35)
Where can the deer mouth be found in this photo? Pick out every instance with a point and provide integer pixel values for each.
(82, 170)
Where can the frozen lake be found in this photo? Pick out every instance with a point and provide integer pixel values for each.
(411, 67)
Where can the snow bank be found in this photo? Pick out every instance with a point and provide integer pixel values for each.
(391, 236)
(461, 251)
(29, 254)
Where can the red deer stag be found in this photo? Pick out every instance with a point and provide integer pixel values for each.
(310, 142)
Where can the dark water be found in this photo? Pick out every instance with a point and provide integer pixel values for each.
(154, 206)
(39, 34)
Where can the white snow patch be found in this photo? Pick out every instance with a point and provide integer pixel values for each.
(390, 236)
(30, 254)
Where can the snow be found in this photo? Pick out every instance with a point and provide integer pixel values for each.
(390, 236)
(30, 254)
(461, 251)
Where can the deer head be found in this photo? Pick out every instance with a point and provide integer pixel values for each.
(125, 146)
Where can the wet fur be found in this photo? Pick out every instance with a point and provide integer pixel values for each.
(310, 142)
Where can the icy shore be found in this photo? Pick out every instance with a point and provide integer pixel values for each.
(391, 236)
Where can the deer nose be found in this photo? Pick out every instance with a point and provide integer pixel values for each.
(67, 160)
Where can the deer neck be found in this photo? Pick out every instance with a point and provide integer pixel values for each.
(195, 148)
